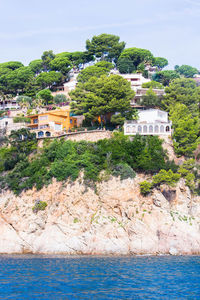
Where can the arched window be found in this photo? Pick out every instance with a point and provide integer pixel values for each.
(40, 134)
(157, 129)
(139, 129)
(128, 129)
(150, 128)
(167, 128)
(161, 128)
(48, 133)
(145, 128)
(133, 129)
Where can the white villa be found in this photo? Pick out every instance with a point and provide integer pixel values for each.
(136, 80)
(150, 122)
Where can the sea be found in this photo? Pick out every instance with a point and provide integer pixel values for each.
(96, 277)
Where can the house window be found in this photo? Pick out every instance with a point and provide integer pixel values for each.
(35, 121)
(151, 128)
(70, 121)
(161, 128)
(42, 118)
(156, 129)
(145, 129)
(167, 128)
(139, 129)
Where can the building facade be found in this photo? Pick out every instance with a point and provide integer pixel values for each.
(9, 104)
(53, 123)
(150, 122)
(136, 80)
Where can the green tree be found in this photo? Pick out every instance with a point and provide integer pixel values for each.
(12, 65)
(165, 77)
(46, 96)
(186, 130)
(136, 56)
(47, 57)
(125, 65)
(152, 84)
(24, 101)
(105, 46)
(15, 82)
(60, 98)
(92, 71)
(186, 71)
(99, 97)
(48, 79)
(183, 91)
(61, 64)
(151, 100)
(36, 66)
(160, 62)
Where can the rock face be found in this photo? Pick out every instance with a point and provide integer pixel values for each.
(112, 218)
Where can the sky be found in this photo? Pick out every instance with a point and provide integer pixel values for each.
(168, 28)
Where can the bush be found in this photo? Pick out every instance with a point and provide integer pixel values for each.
(168, 177)
(124, 171)
(21, 120)
(39, 205)
(145, 187)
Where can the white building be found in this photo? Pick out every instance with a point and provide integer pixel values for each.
(7, 125)
(150, 122)
(136, 80)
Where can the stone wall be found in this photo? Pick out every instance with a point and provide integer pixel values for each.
(89, 136)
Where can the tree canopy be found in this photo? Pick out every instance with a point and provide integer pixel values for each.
(105, 46)
(186, 70)
(165, 77)
(186, 130)
(136, 56)
(102, 96)
(183, 91)
(160, 62)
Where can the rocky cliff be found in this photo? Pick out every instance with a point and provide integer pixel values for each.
(113, 218)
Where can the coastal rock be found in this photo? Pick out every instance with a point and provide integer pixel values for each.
(111, 219)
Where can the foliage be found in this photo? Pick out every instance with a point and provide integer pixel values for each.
(47, 57)
(152, 84)
(61, 64)
(92, 71)
(48, 79)
(125, 65)
(16, 81)
(183, 91)
(151, 100)
(168, 177)
(21, 119)
(46, 96)
(36, 66)
(186, 70)
(12, 65)
(145, 187)
(136, 56)
(165, 77)
(65, 159)
(124, 171)
(160, 62)
(39, 205)
(186, 130)
(105, 46)
(60, 98)
(100, 97)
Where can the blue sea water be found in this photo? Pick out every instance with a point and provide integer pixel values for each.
(89, 277)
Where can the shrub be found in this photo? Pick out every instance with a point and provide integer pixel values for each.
(145, 187)
(39, 205)
(168, 177)
(124, 171)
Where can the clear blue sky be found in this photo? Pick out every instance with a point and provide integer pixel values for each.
(169, 28)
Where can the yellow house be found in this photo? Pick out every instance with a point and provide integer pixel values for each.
(52, 122)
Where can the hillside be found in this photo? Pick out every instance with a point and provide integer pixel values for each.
(115, 219)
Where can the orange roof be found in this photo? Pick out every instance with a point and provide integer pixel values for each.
(62, 113)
